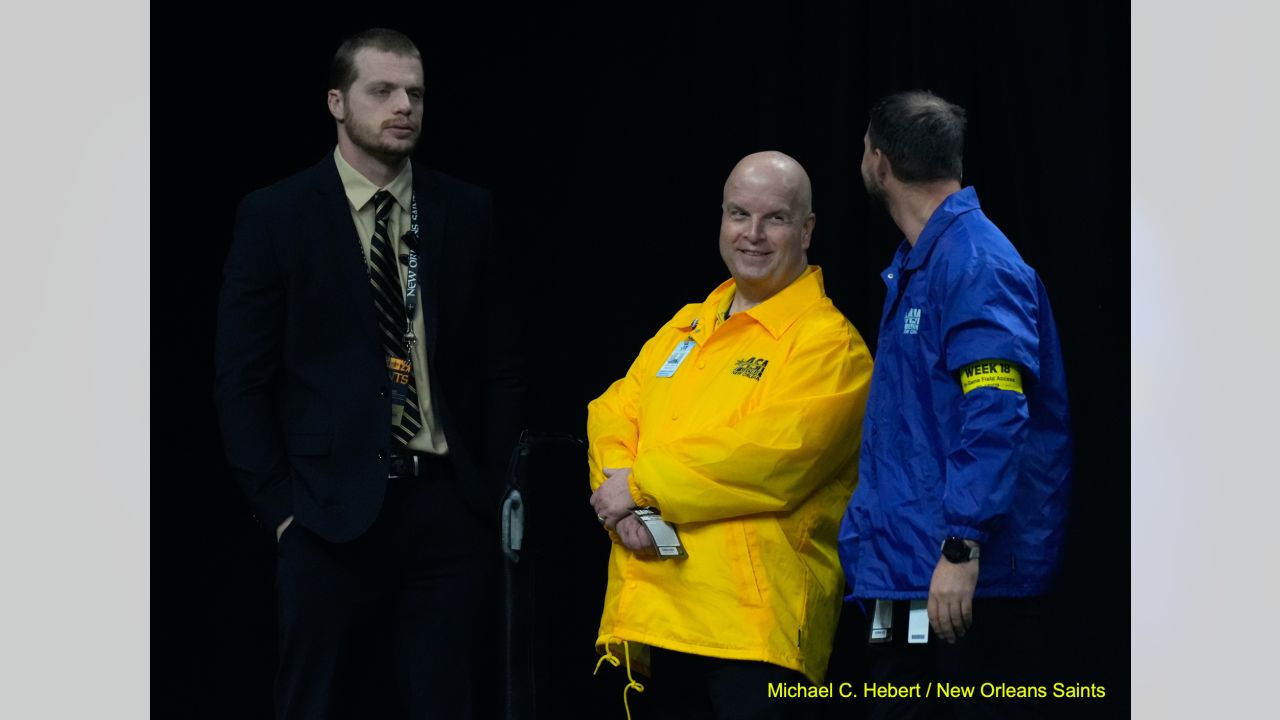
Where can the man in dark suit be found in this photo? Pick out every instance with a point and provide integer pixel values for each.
(367, 387)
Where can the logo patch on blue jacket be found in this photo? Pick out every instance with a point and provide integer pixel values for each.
(911, 322)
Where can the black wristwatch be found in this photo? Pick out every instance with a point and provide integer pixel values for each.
(955, 550)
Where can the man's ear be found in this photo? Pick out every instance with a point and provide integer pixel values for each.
(337, 105)
(881, 166)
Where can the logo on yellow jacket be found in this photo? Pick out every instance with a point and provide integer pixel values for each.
(750, 367)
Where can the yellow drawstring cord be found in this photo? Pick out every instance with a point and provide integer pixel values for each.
(614, 661)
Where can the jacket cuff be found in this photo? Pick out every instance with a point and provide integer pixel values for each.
(637, 495)
(616, 458)
(967, 532)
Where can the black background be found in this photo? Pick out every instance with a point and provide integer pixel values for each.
(605, 133)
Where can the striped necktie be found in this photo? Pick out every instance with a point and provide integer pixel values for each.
(384, 272)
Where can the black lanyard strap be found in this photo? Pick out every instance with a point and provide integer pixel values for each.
(411, 240)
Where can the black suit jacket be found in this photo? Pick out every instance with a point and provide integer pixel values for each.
(301, 383)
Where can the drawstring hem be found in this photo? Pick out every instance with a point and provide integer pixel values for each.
(614, 661)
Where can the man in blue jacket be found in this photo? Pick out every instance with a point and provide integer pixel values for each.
(960, 508)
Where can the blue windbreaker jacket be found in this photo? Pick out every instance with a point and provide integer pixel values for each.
(991, 465)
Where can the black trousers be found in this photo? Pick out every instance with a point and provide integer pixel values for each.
(684, 686)
(1001, 652)
(395, 623)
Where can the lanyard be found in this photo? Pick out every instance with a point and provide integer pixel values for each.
(410, 261)
(410, 239)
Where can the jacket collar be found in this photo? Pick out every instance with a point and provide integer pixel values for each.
(776, 314)
(957, 203)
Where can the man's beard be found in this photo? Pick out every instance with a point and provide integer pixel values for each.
(371, 143)
(875, 190)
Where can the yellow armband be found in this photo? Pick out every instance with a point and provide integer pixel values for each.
(1000, 374)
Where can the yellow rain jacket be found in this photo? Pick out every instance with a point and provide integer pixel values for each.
(750, 450)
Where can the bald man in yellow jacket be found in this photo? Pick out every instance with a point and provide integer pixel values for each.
(739, 423)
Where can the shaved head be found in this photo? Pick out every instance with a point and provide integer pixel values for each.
(780, 169)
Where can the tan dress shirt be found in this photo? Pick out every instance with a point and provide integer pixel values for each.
(360, 192)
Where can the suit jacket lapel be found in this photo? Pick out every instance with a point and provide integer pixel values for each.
(432, 224)
(337, 231)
